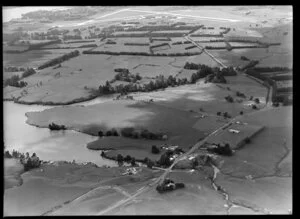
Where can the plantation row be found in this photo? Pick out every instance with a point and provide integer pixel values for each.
(140, 53)
(60, 59)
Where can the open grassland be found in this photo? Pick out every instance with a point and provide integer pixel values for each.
(60, 186)
(209, 97)
(34, 58)
(122, 48)
(263, 156)
(12, 171)
(198, 190)
(79, 78)
(271, 195)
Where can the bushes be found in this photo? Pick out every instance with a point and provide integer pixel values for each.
(136, 44)
(127, 132)
(155, 150)
(256, 100)
(14, 81)
(28, 72)
(221, 149)
(54, 126)
(244, 58)
(229, 99)
(239, 94)
(190, 47)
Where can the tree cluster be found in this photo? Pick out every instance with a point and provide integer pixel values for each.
(13, 69)
(229, 99)
(154, 149)
(240, 94)
(54, 126)
(125, 75)
(60, 59)
(136, 44)
(130, 132)
(190, 47)
(112, 132)
(14, 82)
(221, 149)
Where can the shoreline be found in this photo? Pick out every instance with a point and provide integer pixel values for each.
(51, 103)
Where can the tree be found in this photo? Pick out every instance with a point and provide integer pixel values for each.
(120, 158)
(256, 100)
(133, 161)
(7, 154)
(108, 133)
(218, 113)
(254, 107)
(247, 140)
(102, 154)
(100, 134)
(155, 150)
(128, 158)
(114, 132)
(241, 113)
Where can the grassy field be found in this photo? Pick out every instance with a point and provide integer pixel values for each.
(33, 58)
(235, 139)
(43, 190)
(118, 114)
(68, 82)
(198, 190)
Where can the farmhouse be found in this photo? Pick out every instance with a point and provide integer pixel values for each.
(234, 131)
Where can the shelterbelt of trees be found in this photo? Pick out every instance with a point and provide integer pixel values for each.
(214, 75)
(140, 53)
(15, 79)
(60, 59)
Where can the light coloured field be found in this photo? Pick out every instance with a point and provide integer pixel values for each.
(129, 32)
(171, 31)
(122, 48)
(123, 40)
(240, 44)
(157, 49)
(214, 44)
(205, 38)
(201, 31)
(146, 70)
